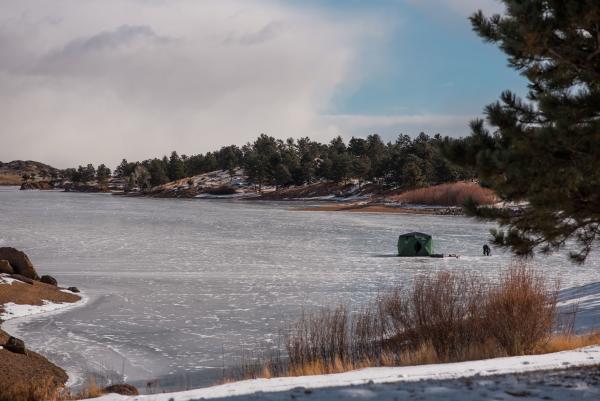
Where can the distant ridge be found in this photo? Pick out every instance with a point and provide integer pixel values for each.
(11, 173)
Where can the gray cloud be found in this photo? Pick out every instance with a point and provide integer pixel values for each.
(94, 81)
(122, 36)
(79, 55)
(268, 32)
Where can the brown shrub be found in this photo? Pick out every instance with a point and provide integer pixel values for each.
(441, 317)
(442, 310)
(520, 312)
(451, 194)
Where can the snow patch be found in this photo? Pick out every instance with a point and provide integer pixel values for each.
(6, 279)
(13, 312)
(408, 374)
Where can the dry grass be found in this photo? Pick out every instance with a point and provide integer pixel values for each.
(442, 317)
(34, 390)
(91, 390)
(10, 179)
(451, 194)
(565, 342)
(48, 390)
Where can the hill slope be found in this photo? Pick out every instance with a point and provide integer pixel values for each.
(11, 172)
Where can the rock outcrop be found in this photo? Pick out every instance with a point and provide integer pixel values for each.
(5, 267)
(19, 262)
(73, 289)
(49, 280)
(44, 185)
(15, 345)
(123, 389)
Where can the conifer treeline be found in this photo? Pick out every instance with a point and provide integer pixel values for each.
(405, 163)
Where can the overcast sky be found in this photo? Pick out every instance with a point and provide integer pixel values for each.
(96, 81)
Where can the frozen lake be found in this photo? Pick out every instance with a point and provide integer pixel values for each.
(177, 287)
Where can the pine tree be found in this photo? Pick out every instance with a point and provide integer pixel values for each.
(361, 168)
(157, 171)
(102, 173)
(176, 167)
(412, 174)
(544, 150)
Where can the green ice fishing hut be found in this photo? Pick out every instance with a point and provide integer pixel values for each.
(415, 244)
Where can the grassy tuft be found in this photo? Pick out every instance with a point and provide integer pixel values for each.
(451, 194)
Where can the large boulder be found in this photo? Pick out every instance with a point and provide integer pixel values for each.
(5, 267)
(19, 262)
(15, 345)
(123, 389)
(49, 280)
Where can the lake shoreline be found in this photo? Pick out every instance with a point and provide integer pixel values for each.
(18, 301)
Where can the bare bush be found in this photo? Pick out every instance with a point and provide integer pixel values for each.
(443, 310)
(322, 337)
(441, 317)
(521, 310)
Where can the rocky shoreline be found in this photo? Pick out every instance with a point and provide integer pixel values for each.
(344, 197)
(21, 285)
(26, 374)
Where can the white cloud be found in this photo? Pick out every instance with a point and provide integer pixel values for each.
(389, 126)
(93, 81)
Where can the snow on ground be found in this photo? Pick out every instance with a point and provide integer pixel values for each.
(12, 310)
(532, 376)
(369, 383)
(17, 311)
(5, 279)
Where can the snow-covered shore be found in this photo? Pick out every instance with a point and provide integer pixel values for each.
(282, 388)
(451, 380)
(14, 314)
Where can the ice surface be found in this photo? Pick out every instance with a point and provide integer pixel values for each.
(172, 283)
